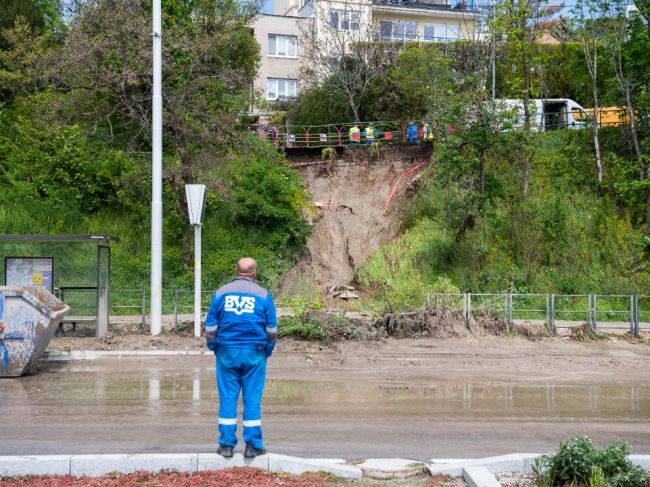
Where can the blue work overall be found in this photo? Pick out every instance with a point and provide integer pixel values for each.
(240, 369)
(241, 328)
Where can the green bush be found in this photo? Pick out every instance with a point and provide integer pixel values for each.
(579, 463)
(301, 327)
(268, 195)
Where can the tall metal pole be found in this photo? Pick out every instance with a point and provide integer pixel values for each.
(156, 174)
(197, 280)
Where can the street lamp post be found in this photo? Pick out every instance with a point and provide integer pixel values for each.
(195, 194)
(156, 174)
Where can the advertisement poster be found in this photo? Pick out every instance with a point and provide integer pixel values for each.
(29, 271)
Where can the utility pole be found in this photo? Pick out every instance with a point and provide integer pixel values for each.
(156, 174)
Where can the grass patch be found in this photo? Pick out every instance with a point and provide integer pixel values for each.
(301, 327)
(398, 275)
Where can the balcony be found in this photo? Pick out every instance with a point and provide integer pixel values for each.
(412, 38)
(460, 5)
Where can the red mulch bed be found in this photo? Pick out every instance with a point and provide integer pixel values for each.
(229, 477)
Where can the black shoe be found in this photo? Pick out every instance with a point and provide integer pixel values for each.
(252, 452)
(225, 451)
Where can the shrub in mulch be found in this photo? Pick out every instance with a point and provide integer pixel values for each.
(230, 477)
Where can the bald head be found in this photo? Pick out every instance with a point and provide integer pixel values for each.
(246, 267)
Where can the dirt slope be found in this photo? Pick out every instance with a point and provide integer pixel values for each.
(351, 193)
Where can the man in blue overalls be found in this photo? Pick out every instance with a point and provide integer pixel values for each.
(241, 328)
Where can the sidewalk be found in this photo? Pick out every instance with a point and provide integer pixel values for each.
(476, 472)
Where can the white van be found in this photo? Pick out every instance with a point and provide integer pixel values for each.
(545, 114)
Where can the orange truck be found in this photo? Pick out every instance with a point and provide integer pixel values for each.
(611, 116)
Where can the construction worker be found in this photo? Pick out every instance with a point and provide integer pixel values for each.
(412, 133)
(370, 134)
(427, 132)
(241, 329)
(355, 134)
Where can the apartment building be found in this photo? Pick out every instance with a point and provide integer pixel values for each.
(282, 34)
(279, 37)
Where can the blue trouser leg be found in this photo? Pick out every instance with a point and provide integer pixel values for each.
(252, 380)
(229, 385)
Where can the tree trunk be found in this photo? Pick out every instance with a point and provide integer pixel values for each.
(354, 107)
(525, 176)
(596, 136)
(178, 130)
(635, 137)
(647, 212)
(592, 64)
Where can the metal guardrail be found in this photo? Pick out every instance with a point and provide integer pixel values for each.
(555, 309)
(184, 300)
(423, 4)
(137, 302)
(396, 131)
(629, 312)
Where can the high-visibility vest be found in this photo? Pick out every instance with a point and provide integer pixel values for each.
(355, 134)
(428, 134)
(370, 133)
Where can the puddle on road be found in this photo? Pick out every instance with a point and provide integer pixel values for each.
(94, 390)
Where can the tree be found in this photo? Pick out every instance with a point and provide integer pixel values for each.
(615, 41)
(424, 80)
(633, 78)
(343, 49)
(520, 21)
(23, 60)
(209, 62)
(592, 31)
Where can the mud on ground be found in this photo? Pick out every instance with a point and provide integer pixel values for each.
(338, 326)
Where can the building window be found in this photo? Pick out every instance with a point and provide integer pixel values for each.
(453, 32)
(391, 30)
(278, 88)
(344, 19)
(283, 46)
(441, 32)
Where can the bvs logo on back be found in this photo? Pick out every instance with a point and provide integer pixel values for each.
(240, 304)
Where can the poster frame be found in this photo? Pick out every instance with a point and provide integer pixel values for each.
(31, 257)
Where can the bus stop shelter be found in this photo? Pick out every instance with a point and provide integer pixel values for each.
(65, 264)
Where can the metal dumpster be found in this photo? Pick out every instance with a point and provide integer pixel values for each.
(29, 316)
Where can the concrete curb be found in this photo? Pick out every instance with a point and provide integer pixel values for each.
(516, 462)
(479, 477)
(98, 465)
(480, 472)
(476, 472)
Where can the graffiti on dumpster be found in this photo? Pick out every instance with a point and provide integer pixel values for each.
(29, 317)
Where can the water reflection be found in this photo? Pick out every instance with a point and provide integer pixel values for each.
(162, 392)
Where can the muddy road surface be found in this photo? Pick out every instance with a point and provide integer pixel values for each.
(415, 399)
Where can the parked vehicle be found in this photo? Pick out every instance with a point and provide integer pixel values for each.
(612, 116)
(545, 114)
